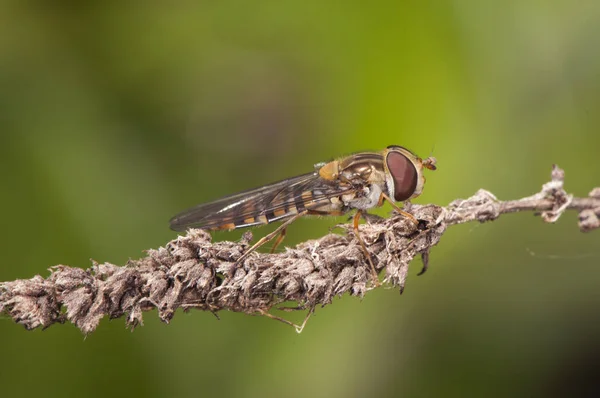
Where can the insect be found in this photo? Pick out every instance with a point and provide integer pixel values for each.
(360, 181)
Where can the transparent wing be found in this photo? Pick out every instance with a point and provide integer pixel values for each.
(262, 205)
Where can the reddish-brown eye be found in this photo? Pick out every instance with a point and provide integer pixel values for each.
(404, 175)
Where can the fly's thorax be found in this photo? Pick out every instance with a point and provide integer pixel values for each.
(361, 168)
(356, 169)
(364, 173)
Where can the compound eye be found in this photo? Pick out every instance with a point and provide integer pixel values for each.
(404, 174)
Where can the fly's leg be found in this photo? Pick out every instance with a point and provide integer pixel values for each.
(278, 240)
(364, 247)
(270, 236)
(399, 210)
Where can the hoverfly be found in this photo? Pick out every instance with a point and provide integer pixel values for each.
(360, 181)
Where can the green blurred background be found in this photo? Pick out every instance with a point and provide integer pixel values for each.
(114, 117)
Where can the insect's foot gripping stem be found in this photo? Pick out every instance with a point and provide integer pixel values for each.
(375, 276)
(409, 216)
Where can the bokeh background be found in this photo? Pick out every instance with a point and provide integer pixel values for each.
(114, 117)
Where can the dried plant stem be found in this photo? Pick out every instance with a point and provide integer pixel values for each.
(191, 272)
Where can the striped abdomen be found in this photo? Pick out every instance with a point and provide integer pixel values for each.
(286, 204)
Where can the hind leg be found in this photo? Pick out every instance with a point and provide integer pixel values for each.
(270, 236)
(279, 240)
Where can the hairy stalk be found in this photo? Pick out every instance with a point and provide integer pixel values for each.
(192, 272)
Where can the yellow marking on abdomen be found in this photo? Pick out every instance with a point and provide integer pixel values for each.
(279, 212)
(291, 208)
(307, 197)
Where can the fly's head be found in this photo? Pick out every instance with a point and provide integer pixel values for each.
(404, 172)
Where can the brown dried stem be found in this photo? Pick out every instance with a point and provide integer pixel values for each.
(192, 272)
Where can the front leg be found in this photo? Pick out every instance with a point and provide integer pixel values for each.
(384, 197)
